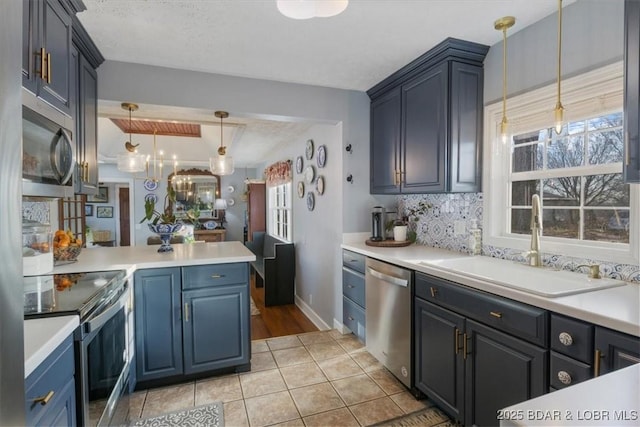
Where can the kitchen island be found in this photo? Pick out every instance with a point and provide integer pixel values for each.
(41, 336)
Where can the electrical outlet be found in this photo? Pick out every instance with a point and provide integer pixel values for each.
(459, 227)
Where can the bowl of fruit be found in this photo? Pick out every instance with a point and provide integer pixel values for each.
(66, 247)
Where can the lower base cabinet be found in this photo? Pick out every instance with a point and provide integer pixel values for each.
(191, 320)
(50, 398)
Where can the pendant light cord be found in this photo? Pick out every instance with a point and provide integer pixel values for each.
(559, 46)
(504, 73)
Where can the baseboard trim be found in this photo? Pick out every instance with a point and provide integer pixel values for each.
(339, 326)
(312, 315)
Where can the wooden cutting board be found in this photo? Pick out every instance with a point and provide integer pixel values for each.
(389, 243)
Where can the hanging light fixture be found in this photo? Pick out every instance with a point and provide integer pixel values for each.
(221, 164)
(130, 161)
(503, 24)
(306, 9)
(559, 110)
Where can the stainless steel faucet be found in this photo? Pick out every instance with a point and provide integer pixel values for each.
(534, 255)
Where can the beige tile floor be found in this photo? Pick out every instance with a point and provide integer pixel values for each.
(315, 379)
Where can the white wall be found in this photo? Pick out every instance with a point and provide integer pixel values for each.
(317, 234)
(235, 214)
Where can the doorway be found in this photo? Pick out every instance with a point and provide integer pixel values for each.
(124, 216)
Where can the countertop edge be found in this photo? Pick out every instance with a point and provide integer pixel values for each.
(42, 336)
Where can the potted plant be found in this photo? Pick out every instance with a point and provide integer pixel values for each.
(414, 214)
(162, 223)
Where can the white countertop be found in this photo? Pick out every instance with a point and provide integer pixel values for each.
(612, 399)
(42, 336)
(616, 308)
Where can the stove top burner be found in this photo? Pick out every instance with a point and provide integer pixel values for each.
(68, 294)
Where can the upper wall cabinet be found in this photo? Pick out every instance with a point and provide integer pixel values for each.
(46, 50)
(632, 91)
(426, 123)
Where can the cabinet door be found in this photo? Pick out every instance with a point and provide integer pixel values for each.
(385, 144)
(631, 164)
(63, 412)
(56, 32)
(87, 136)
(424, 132)
(500, 371)
(439, 363)
(464, 164)
(615, 350)
(216, 328)
(29, 39)
(158, 314)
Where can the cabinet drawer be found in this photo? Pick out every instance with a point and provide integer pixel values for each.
(51, 376)
(353, 286)
(203, 276)
(353, 260)
(571, 337)
(353, 318)
(565, 371)
(522, 320)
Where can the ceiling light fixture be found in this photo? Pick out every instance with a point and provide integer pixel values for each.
(503, 24)
(307, 9)
(130, 161)
(559, 110)
(221, 164)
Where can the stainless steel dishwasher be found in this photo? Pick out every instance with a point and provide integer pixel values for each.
(388, 316)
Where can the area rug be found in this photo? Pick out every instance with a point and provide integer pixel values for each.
(429, 417)
(209, 415)
(254, 309)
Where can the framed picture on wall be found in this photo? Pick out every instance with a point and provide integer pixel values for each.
(88, 210)
(104, 212)
(101, 197)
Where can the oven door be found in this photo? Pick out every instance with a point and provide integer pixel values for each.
(103, 368)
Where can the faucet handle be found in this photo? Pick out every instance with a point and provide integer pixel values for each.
(594, 270)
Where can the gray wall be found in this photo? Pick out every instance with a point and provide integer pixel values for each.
(235, 214)
(11, 293)
(592, 36)
(317, 234)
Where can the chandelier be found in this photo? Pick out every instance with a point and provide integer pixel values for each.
(221, 164)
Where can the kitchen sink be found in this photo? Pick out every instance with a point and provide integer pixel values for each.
(541, 281)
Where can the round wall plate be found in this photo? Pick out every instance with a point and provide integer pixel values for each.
(309, 174)
(320, 185)
(311, 201)
(231, 201)
(322, 156)
(150, 184)
(300, 189)
(309, 149)
(299, 164)
(231, 189)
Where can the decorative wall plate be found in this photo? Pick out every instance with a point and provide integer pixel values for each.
(309, 174)
(311, 201)
(152, 197)
(322, 156)
(300, 189)
(320, 185)
(299, 163)
(231, 201)
(150, 184)
(231, 189)
(309, 149)
(210, 225)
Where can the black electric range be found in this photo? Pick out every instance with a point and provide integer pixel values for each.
(79, 294)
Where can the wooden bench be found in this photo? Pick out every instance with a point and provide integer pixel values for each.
(275, 268)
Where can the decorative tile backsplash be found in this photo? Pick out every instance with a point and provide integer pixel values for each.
(36, 211)
(436, 229)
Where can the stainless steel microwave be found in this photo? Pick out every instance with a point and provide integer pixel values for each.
(48, 152)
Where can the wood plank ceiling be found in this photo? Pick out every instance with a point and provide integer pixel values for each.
(168, 128)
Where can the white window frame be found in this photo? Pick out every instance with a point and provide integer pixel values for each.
(593, 93)
(273, 208)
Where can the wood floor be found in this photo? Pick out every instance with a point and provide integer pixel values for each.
(276, 321)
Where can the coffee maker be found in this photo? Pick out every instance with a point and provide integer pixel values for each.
(377, 224)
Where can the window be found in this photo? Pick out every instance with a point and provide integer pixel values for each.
(280, 221)
(587, 209)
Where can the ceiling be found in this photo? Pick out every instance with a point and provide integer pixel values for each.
(250, 38)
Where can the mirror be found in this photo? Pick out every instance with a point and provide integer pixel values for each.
(196, 190)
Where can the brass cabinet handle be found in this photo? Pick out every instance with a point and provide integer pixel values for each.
(49, 68)
(217, 276)
(42, 61)
(396, 179)
(434, 291)
(403, 174)
(565, 338)
(457, 343)
(464, 345)
(596, 363)
(186, 311)
(44, 399)
(86, 171)
(496, 314)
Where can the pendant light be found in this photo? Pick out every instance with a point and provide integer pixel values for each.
(306, 9)
(503, 24)
(559, 110)
(130, 161)
(221, 164)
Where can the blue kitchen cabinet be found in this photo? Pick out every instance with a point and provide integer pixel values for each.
(614, 350)
(353, 294)
(46, 51)
(50, 398)
(158, 323)
(631, 164)
(426, 123)
(216, 317)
